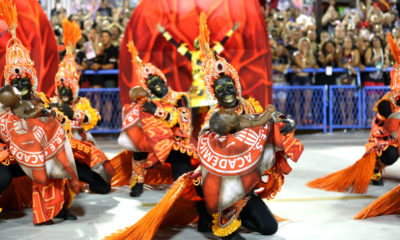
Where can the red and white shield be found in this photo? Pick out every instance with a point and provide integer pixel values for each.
(232, 165)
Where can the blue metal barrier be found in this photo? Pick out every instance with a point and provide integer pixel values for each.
(344, 107)
(108, 103)
(370, 96)
(310, 106)
(305, 104)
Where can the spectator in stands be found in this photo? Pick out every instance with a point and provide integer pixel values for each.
(109, 60)
(304, 19)
(350, 59)
(375, 57)
(303, 58)
(324, 36)
(280, 66)
(330, 18)
(295, 35)
(312, 36)
(340, 33)
(352, 32)
(116, 34)
(274, 34)
(104, 10)
(328, 57)
(57, 9)
(388, 23)
(56, 25)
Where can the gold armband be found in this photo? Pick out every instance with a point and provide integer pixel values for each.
(218, 47)
(230, 33)
(167, 35)
(182, 49)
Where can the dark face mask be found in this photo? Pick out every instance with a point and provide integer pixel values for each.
(65, 94)
(24, 86)
(157, 86)
(225, 92)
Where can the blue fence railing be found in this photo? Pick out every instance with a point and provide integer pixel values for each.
(108, 103)
(312, 107)
(305, 104)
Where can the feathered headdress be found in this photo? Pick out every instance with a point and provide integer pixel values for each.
(395, 71)
(18, 61)
(143, 70)
(213, 65)
(67, 74)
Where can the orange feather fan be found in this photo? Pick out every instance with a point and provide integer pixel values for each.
(72, 33)
(8, 11)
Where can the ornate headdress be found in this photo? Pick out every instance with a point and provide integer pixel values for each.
(67, 74)
(18, 61)
(214, 66)
(143, 70)
(395, 71)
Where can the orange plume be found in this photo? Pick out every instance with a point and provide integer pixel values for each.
(135, 53)
(72, 33)
(8, 11)
(394, 48)
(204, 35)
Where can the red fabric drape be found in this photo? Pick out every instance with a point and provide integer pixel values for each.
(247, 50)
(35, 32)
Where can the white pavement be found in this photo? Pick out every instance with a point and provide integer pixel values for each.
(313, 214)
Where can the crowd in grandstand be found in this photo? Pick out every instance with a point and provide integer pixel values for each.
(350, 38)
(102, 30)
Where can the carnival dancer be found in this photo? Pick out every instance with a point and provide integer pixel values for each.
(35, 139)
(382, 147)
(231, 165)
(156, 125)
(92, 164)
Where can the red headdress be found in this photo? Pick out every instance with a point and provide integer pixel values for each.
(67, 74)
(395, 71)
(214, 66)
(18, 61)
(143, 70)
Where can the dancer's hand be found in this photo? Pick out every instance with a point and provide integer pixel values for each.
(149, 107)
(75, 186)
(236, 26)
(290, 125)
(67, 110)
(196, 173)
(160, 28)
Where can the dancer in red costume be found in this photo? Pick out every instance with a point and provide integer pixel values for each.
(92, 164)
(389, 203)
(382, 147)
(35, 139)
(156, 126)
(229, 178)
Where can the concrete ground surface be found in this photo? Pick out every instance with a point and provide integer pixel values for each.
(312, 213)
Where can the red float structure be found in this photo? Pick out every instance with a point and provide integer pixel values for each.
(248, 49)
